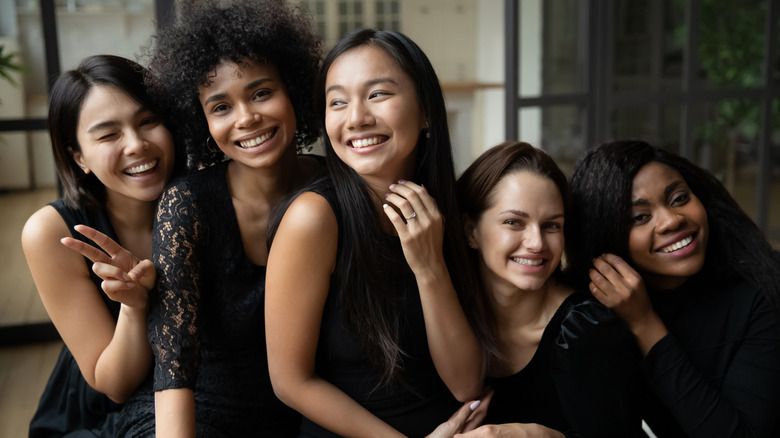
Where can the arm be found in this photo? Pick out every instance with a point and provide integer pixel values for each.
(300, 263)
(173, 315)
(114, 357)
(744, 402)
(454, 347)
(512, 430)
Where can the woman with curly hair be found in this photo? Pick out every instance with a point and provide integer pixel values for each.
(369, 338)
(238, 77)
(666, 247)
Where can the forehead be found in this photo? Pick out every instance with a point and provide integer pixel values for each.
(228, 71)
(364, 63)
(526, 189)
(105, 102)
(653, 179)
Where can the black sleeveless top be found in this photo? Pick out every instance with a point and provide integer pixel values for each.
(417, 402)
(69, 404)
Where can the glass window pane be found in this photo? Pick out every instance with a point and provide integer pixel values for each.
(556, 129)
(731, 43)
(726, 140)
(549, 47)
(380, 7)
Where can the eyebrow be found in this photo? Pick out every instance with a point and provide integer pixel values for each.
(667, 191)
(111, 123)
(526, 215)
(368, 83)
(247, 87)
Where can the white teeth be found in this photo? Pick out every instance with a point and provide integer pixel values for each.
(681, 244)
(142, 168)
(363, 142)
(528, 262)
(255, 141)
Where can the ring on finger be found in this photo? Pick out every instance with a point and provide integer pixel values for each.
(411, 216)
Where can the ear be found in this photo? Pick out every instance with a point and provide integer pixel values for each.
(79, 159)
(472, 234)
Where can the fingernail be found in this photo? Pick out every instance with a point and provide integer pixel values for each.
(384, 206)
(391, 186)
(475, 405)
(401, 181)
(125, 276)
(387, 194)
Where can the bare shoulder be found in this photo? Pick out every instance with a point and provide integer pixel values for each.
(310, 212)
(44, 228)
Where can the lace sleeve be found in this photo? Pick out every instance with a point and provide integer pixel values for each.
(173, 314)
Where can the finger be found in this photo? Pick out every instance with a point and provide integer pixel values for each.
(103, 241)
(144, 273)
(620, 265)
(86, 250)
(478, 415)
(403, 206)
(607, 271)
(458, 419)
(395, 218)
(115, 288)
(107, 271)
(418, 197)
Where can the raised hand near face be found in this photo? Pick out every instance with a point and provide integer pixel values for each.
(618, 286)
(126, 278)
(419, 225)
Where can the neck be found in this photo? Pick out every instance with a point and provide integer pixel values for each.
(127, 214)
(265, 184)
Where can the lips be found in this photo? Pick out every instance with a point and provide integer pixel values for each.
(140, 168)
(676, 246)
(367, 141)
(529, 262)
(252, 142)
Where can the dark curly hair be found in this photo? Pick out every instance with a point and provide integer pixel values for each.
(208, 32)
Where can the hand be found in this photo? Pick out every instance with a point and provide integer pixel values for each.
(469, 416)
(126, 278)
(419, 224)
(618, 286)
(514, 430)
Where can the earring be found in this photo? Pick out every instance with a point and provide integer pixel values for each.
(209, 147)
(471, 245)
(427, 130)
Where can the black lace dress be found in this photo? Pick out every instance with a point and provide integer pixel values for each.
(206, 322)
(68, 404)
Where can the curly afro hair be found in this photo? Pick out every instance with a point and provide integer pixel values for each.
(208, 32)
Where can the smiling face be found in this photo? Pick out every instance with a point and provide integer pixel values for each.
(520, 235)
(249, 113)
(668, 237)
(123, 144)
(372, 117)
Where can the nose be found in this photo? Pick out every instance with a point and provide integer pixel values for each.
(246, 116)
(134, 142)
(667, 219)
(359, 115)
(533, 239)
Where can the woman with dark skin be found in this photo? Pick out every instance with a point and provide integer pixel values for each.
(669, 250)
(563, 362)
(365, 330)
(114, 156)
(238, 76)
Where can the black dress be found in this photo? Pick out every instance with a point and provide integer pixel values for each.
(717, 372)
(582, 380)
(417, 402)
(207, 322)
(69, 406)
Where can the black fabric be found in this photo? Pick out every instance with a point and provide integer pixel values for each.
(69, 406)
(206, 322)
(418, 401)
(717, 372)
(582, 380)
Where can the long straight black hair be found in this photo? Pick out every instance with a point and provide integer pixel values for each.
(601, 187)
(369, 308)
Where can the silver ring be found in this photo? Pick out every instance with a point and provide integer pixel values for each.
(412, 216)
